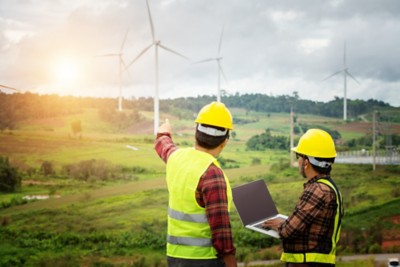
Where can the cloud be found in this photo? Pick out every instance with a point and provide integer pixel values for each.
(273, 47)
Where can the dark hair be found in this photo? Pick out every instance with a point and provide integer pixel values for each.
(317, 168)
(323, 170)
(208, 141)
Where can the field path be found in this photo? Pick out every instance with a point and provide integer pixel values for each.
(122, 189)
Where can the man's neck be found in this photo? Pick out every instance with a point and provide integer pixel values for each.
(311, 174)
(213, 152)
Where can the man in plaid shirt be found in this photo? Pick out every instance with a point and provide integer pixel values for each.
(309, 236)
(199, 230)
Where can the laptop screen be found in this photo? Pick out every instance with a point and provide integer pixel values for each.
(253, 202)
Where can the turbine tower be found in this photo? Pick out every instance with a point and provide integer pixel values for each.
(218, 59)
(157, 44)
(345, 74)
(121, 65)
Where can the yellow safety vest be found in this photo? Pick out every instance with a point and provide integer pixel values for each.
(317, 256)
(189, 234)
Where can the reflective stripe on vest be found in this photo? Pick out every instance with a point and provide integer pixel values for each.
(189, 241)
(308, 257)
(189, 234)
(177, 215)
(321, 257)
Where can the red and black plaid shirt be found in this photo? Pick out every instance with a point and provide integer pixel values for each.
(211, 195)
(311, 225)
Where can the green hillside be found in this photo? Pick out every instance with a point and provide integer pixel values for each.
(107, 195)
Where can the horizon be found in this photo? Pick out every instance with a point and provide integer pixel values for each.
(198, 96)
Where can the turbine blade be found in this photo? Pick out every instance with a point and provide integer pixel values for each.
(220, 42)
(151, 21)
(348, 73)
(138, 56)
(108, 55)
(205, 60)
(336, 73)
(8, 87)
(172, 51)
(123, 42)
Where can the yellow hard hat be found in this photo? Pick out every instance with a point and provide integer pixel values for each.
(316, 143)
(215, 114)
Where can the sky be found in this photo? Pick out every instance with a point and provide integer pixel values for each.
(269, 47)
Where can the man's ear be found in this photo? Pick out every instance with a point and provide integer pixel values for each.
(306, 162)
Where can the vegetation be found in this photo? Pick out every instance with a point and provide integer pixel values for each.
(106, 190)
(267, 141)
(267, 104)
(10, 181)
(18, 107)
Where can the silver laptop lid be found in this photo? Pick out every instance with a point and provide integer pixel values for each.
(253, 202)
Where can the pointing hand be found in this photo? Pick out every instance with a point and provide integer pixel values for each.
(165, 127)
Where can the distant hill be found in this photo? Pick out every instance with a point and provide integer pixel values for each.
(283, 103)
(17, 107)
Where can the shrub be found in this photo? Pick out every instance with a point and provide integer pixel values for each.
(267, 141)
(374, 248)
(255, 161)
(10, 181)
(47, 168)
(89, 170)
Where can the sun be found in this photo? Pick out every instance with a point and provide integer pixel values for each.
(66, 71)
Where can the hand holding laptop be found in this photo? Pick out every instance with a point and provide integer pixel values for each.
(273, 224)
(255, 206)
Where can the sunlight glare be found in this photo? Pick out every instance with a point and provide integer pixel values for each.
(66, 71)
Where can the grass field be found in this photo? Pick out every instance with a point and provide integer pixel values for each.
(122, 221)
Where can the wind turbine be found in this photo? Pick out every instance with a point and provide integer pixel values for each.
(157, 44)
(345, 73)
(218, 59)
(121, 64)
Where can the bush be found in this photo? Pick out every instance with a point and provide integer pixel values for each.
(267, 141)
(227, 163)
(9, 177)
(255, 161)
(374, 248)
(89, 170)
(47, 168)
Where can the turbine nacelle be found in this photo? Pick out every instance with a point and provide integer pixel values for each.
(346, 73)
(157, 44)
(218, 60)
(122, 67)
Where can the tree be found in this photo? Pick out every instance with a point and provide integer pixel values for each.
(10, 181)
(76, 127)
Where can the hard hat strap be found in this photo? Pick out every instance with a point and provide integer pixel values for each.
(321, 164)
(211, 131)
(303, 165)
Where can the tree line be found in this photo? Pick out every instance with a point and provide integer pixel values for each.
(22, 106)
(284, 104)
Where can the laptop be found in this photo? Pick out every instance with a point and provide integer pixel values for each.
(254, 205)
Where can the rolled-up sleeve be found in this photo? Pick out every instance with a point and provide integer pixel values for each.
(164, 146)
